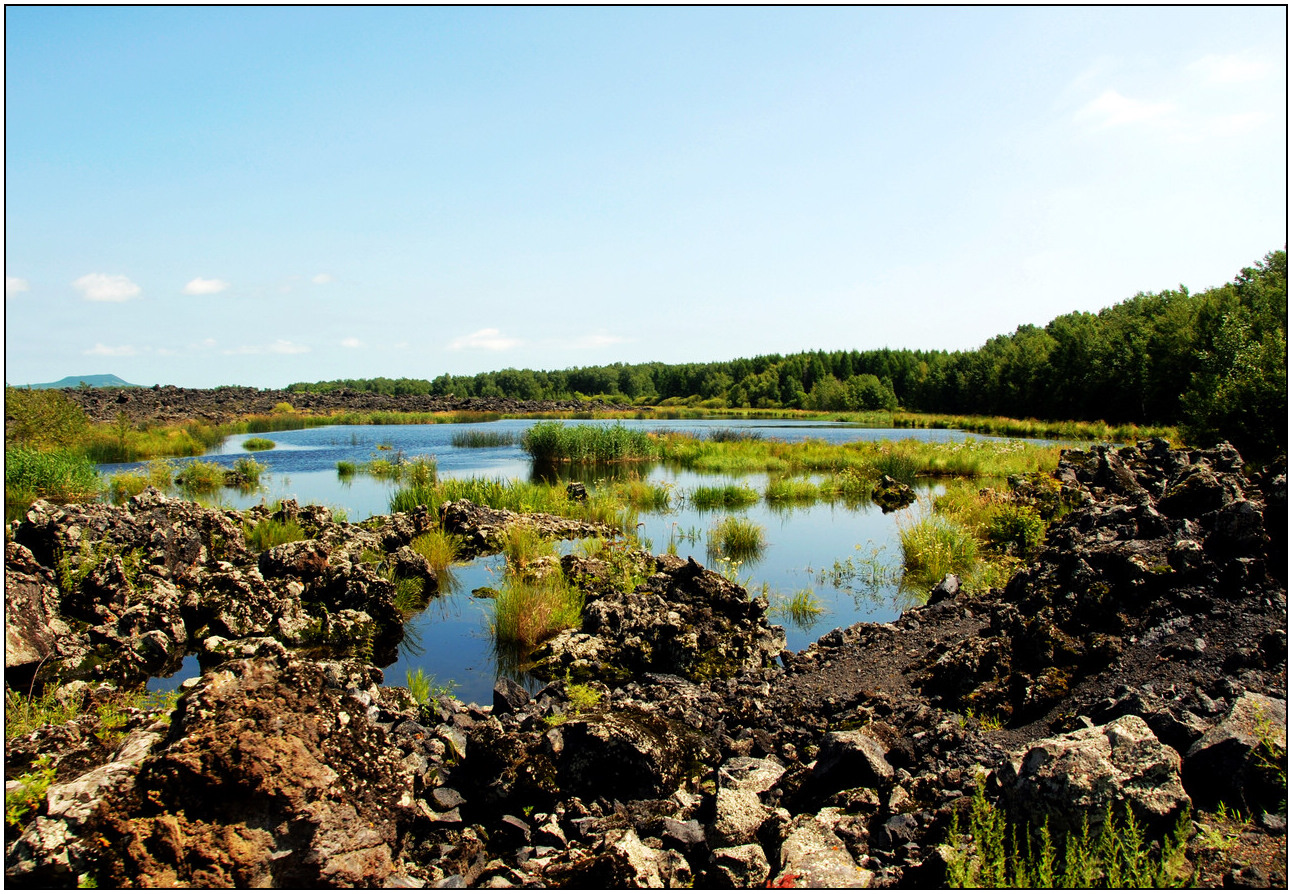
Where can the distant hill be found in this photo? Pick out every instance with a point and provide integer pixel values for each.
(104, 381)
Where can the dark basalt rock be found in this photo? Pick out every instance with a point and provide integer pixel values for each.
(890, 494)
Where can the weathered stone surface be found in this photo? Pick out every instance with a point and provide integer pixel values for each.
(851, 759)
(744, 866)
(482, 528)
(813, 856)
(739, 815)
(1236, 761)
(1075, 776)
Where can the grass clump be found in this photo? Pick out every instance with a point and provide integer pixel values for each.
(784, 489)
(990, 854)
(527, 611)
(26, 713)
(553, 442)
(723, 496)
(523, 547)
(268, 533)
(478, 437)
(736, 538)
(1016, 531)
(439, 548)
(802, 609)
(200, 477)
(258, 444)
(29, 793)
(934, 547)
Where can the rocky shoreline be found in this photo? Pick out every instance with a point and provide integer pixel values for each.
(1140, 662)
(167, 404)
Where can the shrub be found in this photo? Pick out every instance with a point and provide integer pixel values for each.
(44, 418)
(1016, 531)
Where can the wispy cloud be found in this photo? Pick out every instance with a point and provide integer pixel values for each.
(201, 286)
(1235, 68)
(279, 346)
(351, 343)
(598, 340)
(102, 350)
(321, 279)
(106, 287)
(1111, 109)
(485, 340)
(13, 285)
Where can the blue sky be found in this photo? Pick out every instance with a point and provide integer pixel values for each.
(258, 196)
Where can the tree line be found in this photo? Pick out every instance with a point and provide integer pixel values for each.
(1212, 362)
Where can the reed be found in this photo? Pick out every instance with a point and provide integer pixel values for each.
(553, 442)
(62, 476)
(934, 547)
(791, 490)
(439, 548)
(802, 609)
(476, 438)
(723, 496)
(258, 444)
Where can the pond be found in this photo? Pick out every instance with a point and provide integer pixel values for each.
(449, 640)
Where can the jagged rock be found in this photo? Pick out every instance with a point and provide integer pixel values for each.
(1073, 777)
(890, 494)
(851, 759)
(508, 696)
(482, 528)
(1236, 761)
(813, 856)
(750, 774)
(739, 815)
(628, 755)
(744, 866)
(947, 588)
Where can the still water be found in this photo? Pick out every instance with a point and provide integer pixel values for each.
(449, 640)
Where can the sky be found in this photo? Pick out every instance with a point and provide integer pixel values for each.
(259, 196)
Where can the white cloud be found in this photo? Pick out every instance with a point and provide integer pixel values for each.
(279, 346)
(102, 350)
(201, 286)
(106, 287)
(322, 279)
(598, 340)
(1111, 109)
(351, 343)
(13, 285)
(484, 339)
(1232, 69)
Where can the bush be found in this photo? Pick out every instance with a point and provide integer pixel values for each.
(42, 418)
(1016, 531)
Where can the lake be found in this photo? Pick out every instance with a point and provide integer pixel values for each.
(450, 641)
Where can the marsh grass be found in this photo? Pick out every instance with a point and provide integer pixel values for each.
(523, 546)
(934, 547)
(802, 609)
(200, 477)
(723, 496)
(736, 538)
(645, 496)
(526, 612)
(439, 548)
(553, 442)
(783, 489)
(479, 438)
(61, 476)
(258, 444)
(158, 473)
(26, 713)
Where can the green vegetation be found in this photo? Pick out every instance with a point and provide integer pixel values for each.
(1213, 362)
(723, 496)
(582, 696)
(527, 611)
(991, 856)
(58, 474)
(258, 444)
(802, 609)
(423, 688)
(517, 496)
(29, 792)
(200, 477)
(552, 442)
(736, 538)
(268, 533)
(25, 713)
(936, 546)
(523, 547)
(476, 437)
(439, 548)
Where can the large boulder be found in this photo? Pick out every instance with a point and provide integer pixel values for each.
(1238, 760)
(1073, 778)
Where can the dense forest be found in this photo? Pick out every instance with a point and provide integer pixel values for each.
(1214, 363)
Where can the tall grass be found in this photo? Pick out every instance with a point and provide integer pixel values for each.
(62, 475)
(200, 477)
(258, 444)
(158, 473)
(735, 538)
(476, 437)
(934, 547)
(268, 533)
(528, 611)
(783, 489)
(551, 442)
(802, 609)
(523, 546)
(438, 548)
(723, 496)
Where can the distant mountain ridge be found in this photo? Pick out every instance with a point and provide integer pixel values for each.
(103, 381)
